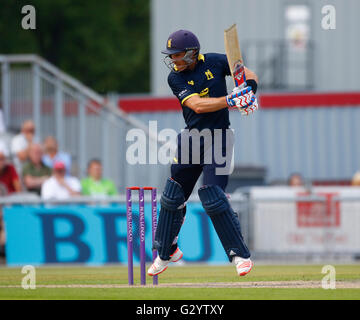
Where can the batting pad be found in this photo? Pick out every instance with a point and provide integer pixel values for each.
(170, 218)
(225, 221)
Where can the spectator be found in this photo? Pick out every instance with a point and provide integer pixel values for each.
(20, 144)
(52, 154)
(60, 186)
(356, 179)
(94, 184)
(296, 180)
(9, 179)
(9, 183)
(34, 171)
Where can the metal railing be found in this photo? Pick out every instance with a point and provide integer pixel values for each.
(86, 124)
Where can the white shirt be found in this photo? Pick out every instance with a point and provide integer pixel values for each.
(18, 143)
(51, 189)
(3, 148)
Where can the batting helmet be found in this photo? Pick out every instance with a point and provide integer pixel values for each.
(181, 40)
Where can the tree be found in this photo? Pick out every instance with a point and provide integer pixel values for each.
(104, 44)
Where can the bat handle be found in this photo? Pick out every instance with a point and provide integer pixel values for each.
(241, 83)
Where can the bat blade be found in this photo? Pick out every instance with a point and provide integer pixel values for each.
(234, 56)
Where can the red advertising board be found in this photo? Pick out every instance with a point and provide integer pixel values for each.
(318, 213)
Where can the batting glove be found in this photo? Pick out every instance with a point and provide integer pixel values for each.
(243, 99)
(236, 97)
(251, 108)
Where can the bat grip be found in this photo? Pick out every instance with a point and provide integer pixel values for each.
(241, 84)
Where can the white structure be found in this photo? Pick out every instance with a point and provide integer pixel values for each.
(273, 35)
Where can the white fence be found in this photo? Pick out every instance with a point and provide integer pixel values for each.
(321, 223)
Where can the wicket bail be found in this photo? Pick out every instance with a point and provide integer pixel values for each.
(141, 232)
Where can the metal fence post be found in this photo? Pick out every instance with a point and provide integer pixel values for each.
(106, 122)
(5, 93)
(121, 156)
(310, 62)
(82, 135)
(37, 98)
(59, 113)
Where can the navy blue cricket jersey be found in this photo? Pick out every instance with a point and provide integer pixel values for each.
(206, 80)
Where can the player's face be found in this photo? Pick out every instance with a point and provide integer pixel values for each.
(177, 59)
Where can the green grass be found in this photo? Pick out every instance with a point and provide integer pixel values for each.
(180, 294)
(189, 274)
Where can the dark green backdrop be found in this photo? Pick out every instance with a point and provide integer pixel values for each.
(103, 43)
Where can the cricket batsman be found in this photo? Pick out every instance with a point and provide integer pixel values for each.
(198, 81)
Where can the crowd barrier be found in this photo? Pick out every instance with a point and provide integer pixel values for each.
(285, 222)
(322, 222)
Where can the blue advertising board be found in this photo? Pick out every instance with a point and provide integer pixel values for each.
(96, 235)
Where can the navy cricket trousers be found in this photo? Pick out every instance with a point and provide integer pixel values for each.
(210, 155)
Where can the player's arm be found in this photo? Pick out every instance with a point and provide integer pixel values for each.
(204, 105)
(251, 75)
(190, 98)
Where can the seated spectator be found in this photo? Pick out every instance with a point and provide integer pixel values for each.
(356, 179)
(20, 144)
(60, 186)
(52, 154)
(9, 184)
(34, 171)
(296, 180)
(94, 184)
(9, 179)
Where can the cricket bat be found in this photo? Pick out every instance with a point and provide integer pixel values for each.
(234, 56)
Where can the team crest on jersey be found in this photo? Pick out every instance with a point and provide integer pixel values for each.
(169, 43)
(209, 75)
(204, 93)
(191, 82)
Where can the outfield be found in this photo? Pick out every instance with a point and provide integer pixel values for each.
(198, 282)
